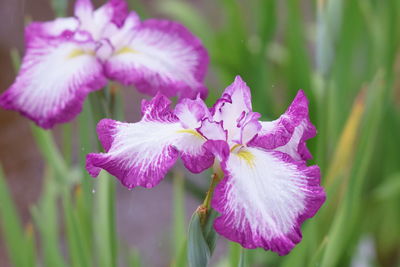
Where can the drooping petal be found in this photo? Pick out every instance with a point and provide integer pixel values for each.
(53, 28)
(191, 112)
(140, 154)
(264, 198)
(289, 133)
(159, 55)
(54, 79)
(234, 104)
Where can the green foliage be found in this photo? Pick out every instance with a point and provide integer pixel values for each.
(344, 54)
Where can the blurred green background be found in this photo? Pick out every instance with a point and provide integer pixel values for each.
(344, 54)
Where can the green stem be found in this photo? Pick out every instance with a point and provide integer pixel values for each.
(204, 208)
(105, 195)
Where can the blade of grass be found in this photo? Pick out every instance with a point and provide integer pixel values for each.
(46, 218)
(178, 236)
(104, 222)
(78, 243)
(18, 246)
(234, 254)
(345, 219)
(51, 154)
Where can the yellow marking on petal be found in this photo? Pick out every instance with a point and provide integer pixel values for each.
(247, 156)
(126, 50)
(190, 131)
(234, 147)
(79, 52)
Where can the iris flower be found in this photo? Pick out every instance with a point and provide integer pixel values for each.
(267, 190)
(70, 57)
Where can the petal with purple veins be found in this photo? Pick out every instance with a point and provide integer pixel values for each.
(55, 76)
(232, 106)
(140, 154)
(264, 198)
(289, 133)
(159, 55)
(191, 112)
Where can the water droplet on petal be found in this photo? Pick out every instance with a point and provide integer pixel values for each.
(148, 185)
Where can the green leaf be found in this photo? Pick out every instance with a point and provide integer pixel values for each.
(198, 250)
(134, 258)
(389, 189)
(46, 218)
(182, 259)
(104, 224)
(19, 248)
(242, 260)
(178, 236)
(78, 244)
(15, 59)
(48, 148)
(234, 254)
(60, 7)
(210, 234)
(189, 16)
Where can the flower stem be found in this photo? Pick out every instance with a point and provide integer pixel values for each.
(204, 208)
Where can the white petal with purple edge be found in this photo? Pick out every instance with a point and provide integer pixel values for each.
(54, 79)
(232, 106)
(264, 199)
(289, 133)
(140, 154)
(51, 28)
(160, 56)
(191, 112)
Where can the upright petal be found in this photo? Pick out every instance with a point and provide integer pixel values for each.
(249, 128)
(264, 198)
(83, 9)
(54, 79)
(104, 21)
(289, 133)
(233, 106)
(120, 11)
(140, 154)
(191, 112)
(159, 55)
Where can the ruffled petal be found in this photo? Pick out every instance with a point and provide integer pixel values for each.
(102, 22)
(234, 104)
(264, 198)
(57, 27)
(159, 55)
(54, 79)
(83, 9)
(120, 11)
(249, 128)
(140, 154)
(289, 133)
(191, 112)
(212, 130)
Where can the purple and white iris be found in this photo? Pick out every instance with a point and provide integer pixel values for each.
(267, 190)
(69, 57)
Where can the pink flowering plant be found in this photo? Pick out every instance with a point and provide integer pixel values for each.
(68, 58)
(264, 189)
(264, 181)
